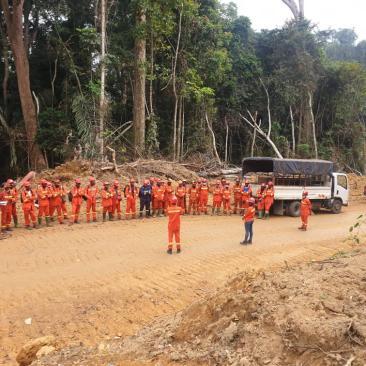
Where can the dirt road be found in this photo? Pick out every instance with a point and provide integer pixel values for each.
(92, 282)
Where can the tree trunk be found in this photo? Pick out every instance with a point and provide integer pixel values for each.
(14, 24)
(139, 91)
(183, 132)
(151, 75)
(293, 132)
(179, 129)
(102, 103)
(226, 141)
(213, 139)
(313, 125)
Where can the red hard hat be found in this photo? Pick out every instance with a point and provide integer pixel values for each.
(116, 183)
(10, 181)
(305, 193)
(174, 199)
(263, 185)
(91, 179)
(270, 183)
(78, 181)
(49, 184)
(26, 184)
(251, 200)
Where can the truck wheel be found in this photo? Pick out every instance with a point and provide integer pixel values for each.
(293, 209)
(336, 206)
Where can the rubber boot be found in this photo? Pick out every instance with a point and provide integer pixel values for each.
(260, 214)
(213, 211)
(104, 216)
(161, 211)
(169, 251)
(266, 216)
(34, 225)
(48, 221)
(218, 212)
(178, 249)
(110, 216)
(39, 220)
(15, 218)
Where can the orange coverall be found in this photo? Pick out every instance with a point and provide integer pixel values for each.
(226, 196)
(237, 197)
(193, 200)
(268, 200)
(116, 201)
(174, 213)
(203, 198)
(181, 193)
(158, 194)
(131, 193)
(28, 198)
(168, 193)
(305, 212)
(246, 193)
(217, 198)
(56, 199)
(14, 213)
(77, 194)
(7, 209)
(43, 195)
(91, 193)
(63, 204)
(2, 211)
(107, 202)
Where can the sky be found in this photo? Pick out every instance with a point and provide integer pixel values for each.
(268, 14)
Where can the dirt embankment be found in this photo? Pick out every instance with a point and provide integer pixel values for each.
(313, 315)
(357, 186)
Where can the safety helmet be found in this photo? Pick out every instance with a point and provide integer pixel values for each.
(132, 180)
(270, 183)
(263, 185)
(91, 179)
(106, 183)
(26, 184)
(251, 200)
(305, 193)
(174, 200)
(43, 182)
(217, 182)
(49, 184)
(10, 181)
(116, 183)
(77, 181)
(180, 182)
(246, 181)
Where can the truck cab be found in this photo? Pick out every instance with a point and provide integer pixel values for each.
(340, 190)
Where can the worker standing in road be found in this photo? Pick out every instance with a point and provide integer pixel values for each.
(237, 196)
(260, 200)
(116, 200)
(174, 212)
(107, 201)
(181, 194)
(158, 193)
(131, 193)
(203, 197)
(28, 197)
(57, 194)
(145, 198)
(305, 211)
(43, 196)
(2, 208)
(15, 194)
(217, 198)
(226, 197)
(268, 199)
(168, 193)
(193, 199)
(91, 193)
(248, 218)
(246, 194)
(8, 200)
(76, 196)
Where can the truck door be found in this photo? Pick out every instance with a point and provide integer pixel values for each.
(341, 187)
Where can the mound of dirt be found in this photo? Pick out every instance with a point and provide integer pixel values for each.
(357, 185)
(314, 315)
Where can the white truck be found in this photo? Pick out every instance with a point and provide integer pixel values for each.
(291, 177)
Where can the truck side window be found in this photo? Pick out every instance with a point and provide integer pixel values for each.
(342, 181)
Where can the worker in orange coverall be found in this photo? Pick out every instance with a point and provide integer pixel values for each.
(107, 201)
(248, 218)
(181, 194)
(226, 197)
(63, 204)
(15, 194)
(57, 197)
(28, 197)
(131, 194)
(260, 200)
(168, 193)
(246, 194)
(268, 199)
(305, 211)
(237, 196)
(2, 208)
(217, 198)
(116, 200)
(193, 199)
(76, 196)
(158, 193)
(43, 196)
(91, 194)
(174, 212)
(203, 197)
(7, 199)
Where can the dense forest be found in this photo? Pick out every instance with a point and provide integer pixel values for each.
(178, 79)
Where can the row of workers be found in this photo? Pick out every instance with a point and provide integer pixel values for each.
(50, 198)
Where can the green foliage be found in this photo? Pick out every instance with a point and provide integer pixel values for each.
(355, 231)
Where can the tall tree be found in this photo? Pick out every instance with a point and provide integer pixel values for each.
(139, 90)
(13, 14)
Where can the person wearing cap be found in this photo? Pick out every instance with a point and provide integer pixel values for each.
(305, 211)
(145, 193)
(246, 194)
(268, 199)
(28, 197)
(248, 218)
(43, 197)
(168, 193)
(203, 197)
(63, 203)
(91, 193)
(237, 196)
(260, 200)
(131, 193)
(116, 200)
(193, 199)
(174, 212)
(15, 194)
(107, 201)
(158, 193)
(7, 200)
(76, 196)
(57, 195)
(216, 198)
(226, 197)
(180, 193)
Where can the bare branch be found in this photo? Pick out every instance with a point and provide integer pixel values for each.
(268, 108)
(213, 139)
(293, 7)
